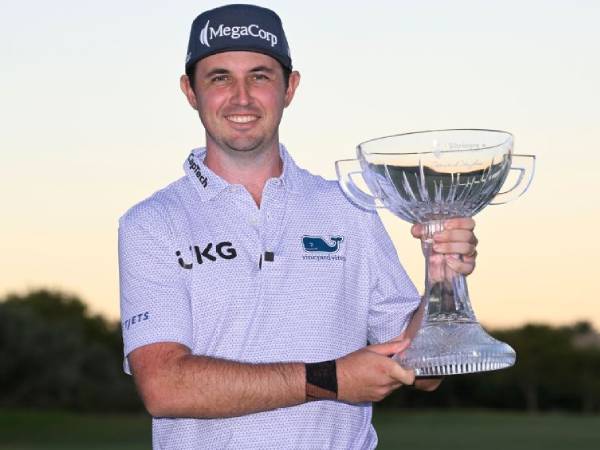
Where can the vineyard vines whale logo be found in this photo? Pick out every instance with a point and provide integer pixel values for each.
(318, 244)
(208, 33)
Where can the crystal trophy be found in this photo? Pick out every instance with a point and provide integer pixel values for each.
(427, 177)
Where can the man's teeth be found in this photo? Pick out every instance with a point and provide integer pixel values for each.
(242, 119)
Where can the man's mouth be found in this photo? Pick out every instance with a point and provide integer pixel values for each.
(242, 118)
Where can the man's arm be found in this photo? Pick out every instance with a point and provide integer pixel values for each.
(174, 383)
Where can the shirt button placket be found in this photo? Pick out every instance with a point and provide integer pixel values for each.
(265, 211)
(248, 222)
(273, 218)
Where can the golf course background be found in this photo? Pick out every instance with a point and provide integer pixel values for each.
(397, 429)
(62, 387)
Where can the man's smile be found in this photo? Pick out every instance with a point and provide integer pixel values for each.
(242, 118)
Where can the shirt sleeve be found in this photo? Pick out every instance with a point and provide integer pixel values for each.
(155, 303)
(394, 297)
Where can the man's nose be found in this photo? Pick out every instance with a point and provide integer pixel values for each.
(241, 94)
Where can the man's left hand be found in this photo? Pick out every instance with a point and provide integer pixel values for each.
(455, 241)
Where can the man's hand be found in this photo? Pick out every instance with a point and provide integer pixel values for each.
(426, 383)
(456, 241)
(369, 375)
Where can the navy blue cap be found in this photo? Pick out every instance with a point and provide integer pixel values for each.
(238, 28)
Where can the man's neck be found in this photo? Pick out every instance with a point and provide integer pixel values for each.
(251, 169)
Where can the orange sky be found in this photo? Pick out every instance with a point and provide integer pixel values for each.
(94, 122)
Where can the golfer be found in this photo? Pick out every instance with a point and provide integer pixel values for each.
(259, 306)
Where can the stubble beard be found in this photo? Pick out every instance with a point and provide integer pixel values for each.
(245, 145)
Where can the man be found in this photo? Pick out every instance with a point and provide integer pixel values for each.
(249, 287)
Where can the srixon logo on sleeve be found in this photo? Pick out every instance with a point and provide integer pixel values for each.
(208, 253)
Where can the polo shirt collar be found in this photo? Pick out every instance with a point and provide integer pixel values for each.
(209, 184)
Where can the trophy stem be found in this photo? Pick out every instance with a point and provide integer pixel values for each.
(450, 340)
(446, 291)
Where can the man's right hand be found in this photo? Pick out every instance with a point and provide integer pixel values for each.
(370, 375)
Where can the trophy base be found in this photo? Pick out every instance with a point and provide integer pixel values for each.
(452, 348)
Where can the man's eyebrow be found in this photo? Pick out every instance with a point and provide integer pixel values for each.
(216, 71)
(262, 69)
(222, 71)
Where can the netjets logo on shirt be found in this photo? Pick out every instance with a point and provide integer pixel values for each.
(141, 317)
(208, 33)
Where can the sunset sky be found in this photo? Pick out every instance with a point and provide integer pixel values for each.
(93, 122)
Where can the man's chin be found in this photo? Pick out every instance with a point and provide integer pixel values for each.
(245, 146)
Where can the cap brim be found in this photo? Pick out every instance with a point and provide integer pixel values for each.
(287, 64)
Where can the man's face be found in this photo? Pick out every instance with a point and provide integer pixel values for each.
(240, 97)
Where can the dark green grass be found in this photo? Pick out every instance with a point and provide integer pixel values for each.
(414, 430)
(470, 430)
(24, 430)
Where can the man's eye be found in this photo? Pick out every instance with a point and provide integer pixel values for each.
(220, 79)
(260, 77)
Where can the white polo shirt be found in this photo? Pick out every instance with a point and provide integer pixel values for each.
(193, 270)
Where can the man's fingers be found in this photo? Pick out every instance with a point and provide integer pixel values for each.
(458, 223)
(428, 384)
(455, 236)
(459, 248)
(417, 230)
(470, 259)
(390, 348)
(404, 376)
(464, 267)
(465, 223)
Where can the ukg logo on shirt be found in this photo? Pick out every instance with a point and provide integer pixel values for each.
(225, 250)
(208, 33)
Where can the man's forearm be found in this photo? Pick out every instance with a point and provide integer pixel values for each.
(187, 385)
(415, 322)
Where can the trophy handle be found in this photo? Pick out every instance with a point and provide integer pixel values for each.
(525, 165)
(345, 168)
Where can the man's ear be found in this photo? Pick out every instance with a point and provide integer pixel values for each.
(186, 88)
(292, 85)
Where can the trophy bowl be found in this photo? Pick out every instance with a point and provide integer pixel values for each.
(428, 177)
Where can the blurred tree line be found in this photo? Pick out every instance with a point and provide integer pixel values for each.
(557, 368)
(55, 354)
